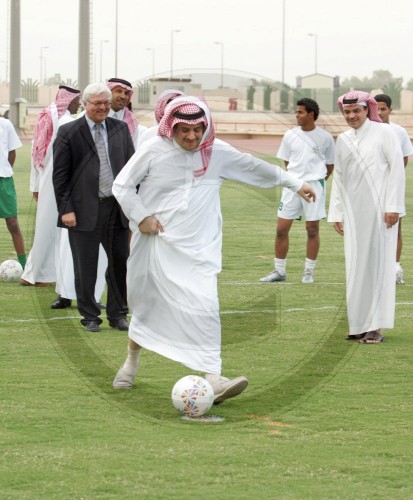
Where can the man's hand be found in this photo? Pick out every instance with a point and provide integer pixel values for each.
(35, 196)
(69, 220)
(391, 218)
(338, 226)
(150, 225)
(307, 192)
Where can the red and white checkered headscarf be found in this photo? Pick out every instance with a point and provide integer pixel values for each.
(128, 116)
(189, 105)
(165, 98)
(364, 98)
(43, 132)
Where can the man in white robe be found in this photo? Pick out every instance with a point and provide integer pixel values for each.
(50, 259)
(177, 237)
(367, 198)
(384, 108)
(122, 93)
(163, 100)
(41, 267)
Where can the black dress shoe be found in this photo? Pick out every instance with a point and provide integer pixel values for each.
(120, 324)
(92, 326)
(61, 303)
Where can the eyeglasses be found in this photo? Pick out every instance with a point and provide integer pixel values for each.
(97, 104)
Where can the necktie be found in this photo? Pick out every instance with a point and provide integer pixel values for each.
(105, 174)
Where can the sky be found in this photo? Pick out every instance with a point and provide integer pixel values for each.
(351, 38)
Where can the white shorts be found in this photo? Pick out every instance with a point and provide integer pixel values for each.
(292, 206)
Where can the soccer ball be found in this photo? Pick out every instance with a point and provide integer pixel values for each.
(10, 270)
(192, 396)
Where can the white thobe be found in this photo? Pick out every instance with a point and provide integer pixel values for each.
(139, 131)
(147, 134)
(368, 182)
(50, 258)
(40, 266)
(172, 276)
(65, 274)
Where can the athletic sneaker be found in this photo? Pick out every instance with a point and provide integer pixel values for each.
(224, 388)
(273, 276)
(399, 277)
(123, 379)
(307, 276)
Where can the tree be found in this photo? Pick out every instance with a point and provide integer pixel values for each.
(393, 90)
(352, 83)
(379, 79)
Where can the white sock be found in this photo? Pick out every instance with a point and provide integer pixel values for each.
(310, 264)
(213, 378)
(131, 363)
(280, 265)
(398, 267)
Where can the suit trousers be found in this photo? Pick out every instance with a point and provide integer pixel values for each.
(85, 250)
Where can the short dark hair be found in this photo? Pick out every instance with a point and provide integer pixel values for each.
(383, 98)
(310, 105)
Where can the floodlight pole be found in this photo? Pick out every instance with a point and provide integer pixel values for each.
(315, 49)
(116, 40)
(172, 50)
(15, 62)
(101, 52)
(153, 59)
(283, 44)
(222, 63)
(83, 78)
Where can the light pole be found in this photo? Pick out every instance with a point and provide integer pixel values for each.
(315, 49)
(41, 63)
(5, 65)
(222, 62)
(283, 44)
(116, 39)
(101, 52)
(172, 50)
(153, 60)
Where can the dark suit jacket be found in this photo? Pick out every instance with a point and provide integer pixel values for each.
(76, 168)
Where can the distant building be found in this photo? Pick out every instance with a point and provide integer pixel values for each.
(322, 88)
(147, 92)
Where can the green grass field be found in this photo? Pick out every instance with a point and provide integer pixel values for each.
(322, 418)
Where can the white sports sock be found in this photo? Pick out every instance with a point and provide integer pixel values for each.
(131, 363)
(309, 264)
(398, 267)
(280, 265)
(214, 378)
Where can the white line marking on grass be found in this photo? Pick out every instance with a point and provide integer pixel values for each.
(278, 283)
(296, 309)
(250, 311)
(300, 309)
(229, 311)
(30, 320)
(57, 318)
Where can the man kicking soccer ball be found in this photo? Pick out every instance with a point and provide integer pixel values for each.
(175, 256)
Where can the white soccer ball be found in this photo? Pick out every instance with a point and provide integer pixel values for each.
(10, 270)
(192, 396)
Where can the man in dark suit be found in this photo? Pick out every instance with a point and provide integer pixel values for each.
(88, 154)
